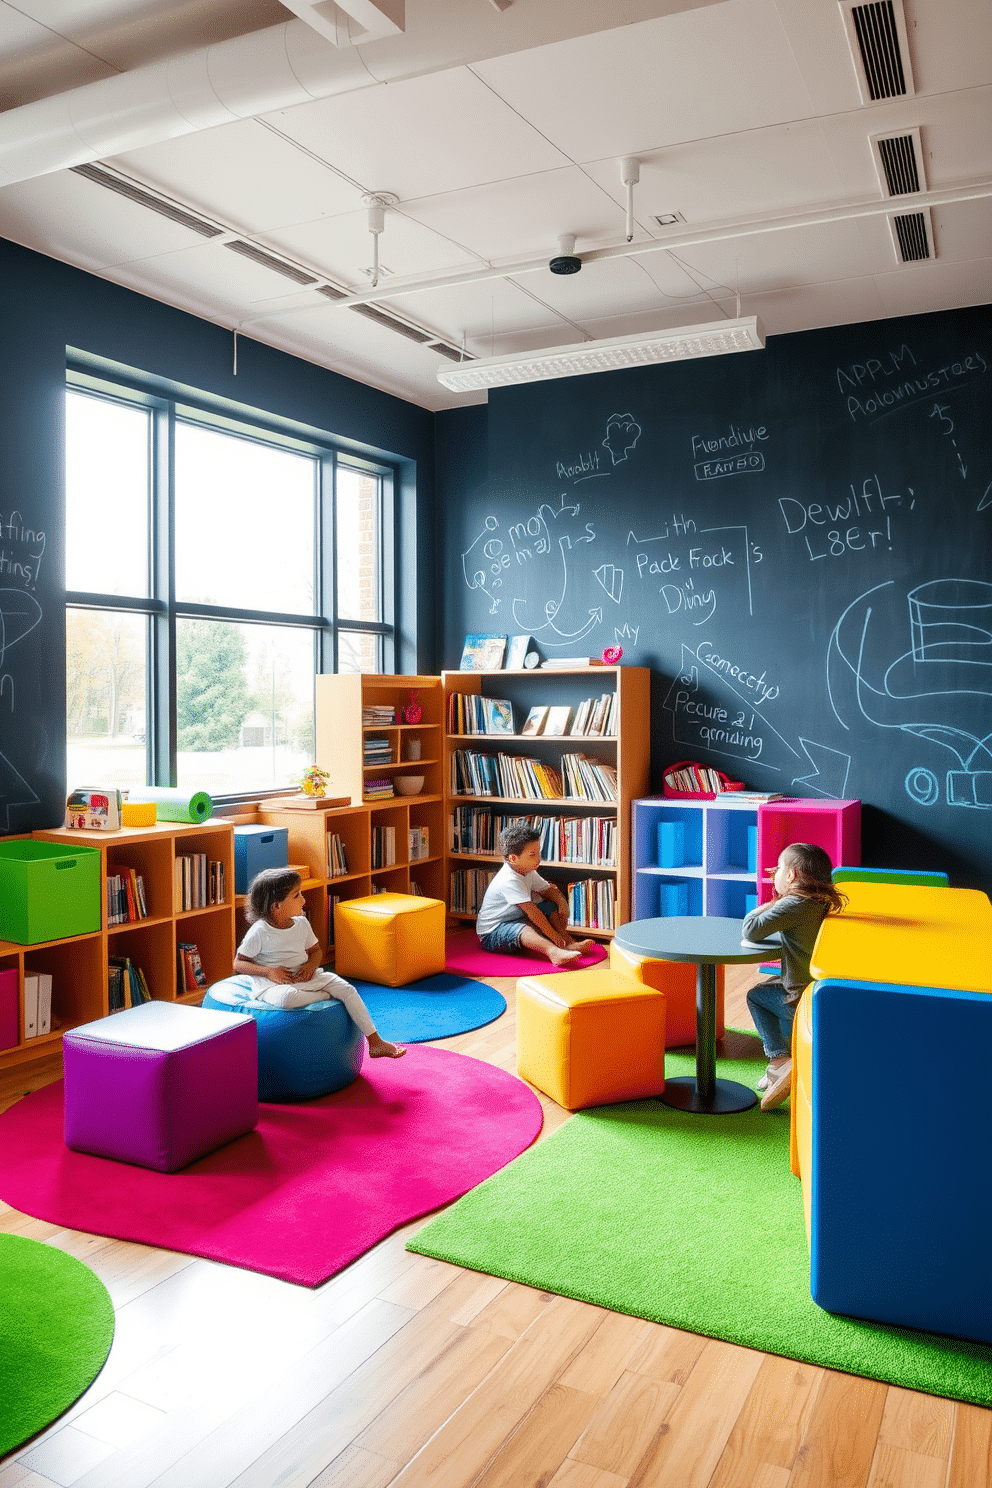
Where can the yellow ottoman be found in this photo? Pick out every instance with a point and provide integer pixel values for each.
(677, 979)
(587, 1038)
(391, 939)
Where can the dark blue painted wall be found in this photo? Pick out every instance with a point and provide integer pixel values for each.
(47, 306)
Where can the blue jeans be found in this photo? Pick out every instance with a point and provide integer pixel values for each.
(773, 1017)
(506, 935)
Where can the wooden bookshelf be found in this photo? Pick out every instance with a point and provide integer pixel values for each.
(628, 750)
(78, 964)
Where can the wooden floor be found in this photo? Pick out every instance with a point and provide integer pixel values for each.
(404, 1372)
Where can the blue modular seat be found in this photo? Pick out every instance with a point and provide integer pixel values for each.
(302, 1052)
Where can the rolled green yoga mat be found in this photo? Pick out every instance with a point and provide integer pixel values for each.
(175, 805)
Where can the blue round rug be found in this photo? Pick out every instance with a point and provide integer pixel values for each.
(436, 1007)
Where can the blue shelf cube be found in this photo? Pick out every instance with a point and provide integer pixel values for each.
(256, 848)
(671, 844)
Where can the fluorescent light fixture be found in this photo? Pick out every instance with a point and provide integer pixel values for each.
(683, 344)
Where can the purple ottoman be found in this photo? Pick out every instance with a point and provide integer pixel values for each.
(160, 1085)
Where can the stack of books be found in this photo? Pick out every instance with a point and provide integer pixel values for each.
(377, 751)
(378, 790)
(383, 846)
(468, 888)
(199, 881)
(378, 715)
(596, 717)
(510, 776)
(591, 904)
(468, 713)
(420, 843)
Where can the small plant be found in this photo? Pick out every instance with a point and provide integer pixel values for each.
(313, 781)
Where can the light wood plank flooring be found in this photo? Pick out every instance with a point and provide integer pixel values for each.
(404, 1372)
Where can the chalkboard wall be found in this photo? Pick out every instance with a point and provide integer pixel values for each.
(796, 540)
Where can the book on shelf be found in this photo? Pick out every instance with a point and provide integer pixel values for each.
(126, 901)
(192, 977)
(199, 881)
(565, 663)
(30, 1004)
(557, 720)
(378, 715)
(44, 1002)
(498, 713)
(378, 790)
(482, 653)
(750, 798)
(126, 984)
(516, 650)
(534, 722)
(337, 855)
(419, 843)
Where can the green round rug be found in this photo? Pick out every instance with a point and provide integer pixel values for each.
(56, 1328)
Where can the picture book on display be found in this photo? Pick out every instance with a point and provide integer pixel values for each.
(516, 651)
(534, 722)
(558, 720)
(483, 653)
(498, 715)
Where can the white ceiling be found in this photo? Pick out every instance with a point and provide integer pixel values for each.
(736, 110)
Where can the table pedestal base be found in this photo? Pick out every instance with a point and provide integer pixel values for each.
(727, 1096)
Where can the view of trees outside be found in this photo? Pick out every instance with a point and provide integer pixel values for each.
(245, 538)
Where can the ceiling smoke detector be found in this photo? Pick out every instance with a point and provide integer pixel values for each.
(567, 260)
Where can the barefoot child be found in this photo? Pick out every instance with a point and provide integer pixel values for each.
(805, 895)
(282, 956)
(521, 908)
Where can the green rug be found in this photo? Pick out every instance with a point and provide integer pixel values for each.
(693, 1221)
(56, 1328)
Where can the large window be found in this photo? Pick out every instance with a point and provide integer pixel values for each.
(212, 568)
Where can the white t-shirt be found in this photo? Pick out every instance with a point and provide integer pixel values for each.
(271, 947)
(508, 889)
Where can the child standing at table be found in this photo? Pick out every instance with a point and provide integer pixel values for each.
(520, 908)
(805, 895)
(282, 956)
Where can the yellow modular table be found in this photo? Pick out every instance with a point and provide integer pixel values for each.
(908, 934)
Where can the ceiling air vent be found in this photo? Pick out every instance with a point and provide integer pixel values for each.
(143, 198)
(451, 352)
(268, 261)
(877, 33)
(392, 324)
(899, 162)
(913, 236)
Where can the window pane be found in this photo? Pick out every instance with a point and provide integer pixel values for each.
(359, 651)
(244, 705)
(244, 523)
(358, 576)
(105, 698)
(106, 496)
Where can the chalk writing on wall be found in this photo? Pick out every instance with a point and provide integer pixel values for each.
(22, 549)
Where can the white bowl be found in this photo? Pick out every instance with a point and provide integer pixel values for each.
(408, 785)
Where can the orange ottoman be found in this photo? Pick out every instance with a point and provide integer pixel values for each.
(588, 1038)
(677, 979)
(391, 939)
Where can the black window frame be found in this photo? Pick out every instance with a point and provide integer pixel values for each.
(161, 607)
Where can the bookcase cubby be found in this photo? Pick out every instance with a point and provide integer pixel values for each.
(78, 964)
(627, 750)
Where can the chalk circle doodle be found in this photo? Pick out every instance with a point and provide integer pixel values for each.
(475, 578)
(622, 433)
(949, 660)
(922, 786)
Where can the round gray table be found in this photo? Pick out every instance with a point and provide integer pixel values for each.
(708, 941)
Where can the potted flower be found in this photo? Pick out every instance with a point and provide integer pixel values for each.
(313, 781)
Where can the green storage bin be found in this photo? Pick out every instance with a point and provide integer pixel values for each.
(48, 891)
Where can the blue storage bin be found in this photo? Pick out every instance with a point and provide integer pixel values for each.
(256, 848)
(750, 902)
(671, 844)
(673, 898)
(752, 849)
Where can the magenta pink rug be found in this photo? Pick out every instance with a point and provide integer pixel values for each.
(312, 1188)
(464, 954)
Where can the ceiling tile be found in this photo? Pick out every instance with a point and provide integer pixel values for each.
(777, 170)
(782, 259)
(423, 136)
(481, 315)
(689, 76)
(342, 247)
(244, 172)
(808, 306)
(913, 289)
(524, 218)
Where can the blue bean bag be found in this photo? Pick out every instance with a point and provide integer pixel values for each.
(302, 1052)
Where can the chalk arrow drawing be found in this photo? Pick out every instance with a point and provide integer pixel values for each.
(14, 791)
(830, 770)
(611, 579)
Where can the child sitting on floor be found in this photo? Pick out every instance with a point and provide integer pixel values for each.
(520, 908)
(282, 956)
(806, 894)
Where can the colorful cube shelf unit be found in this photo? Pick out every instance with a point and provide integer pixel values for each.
(48, 891)
(717, 857)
